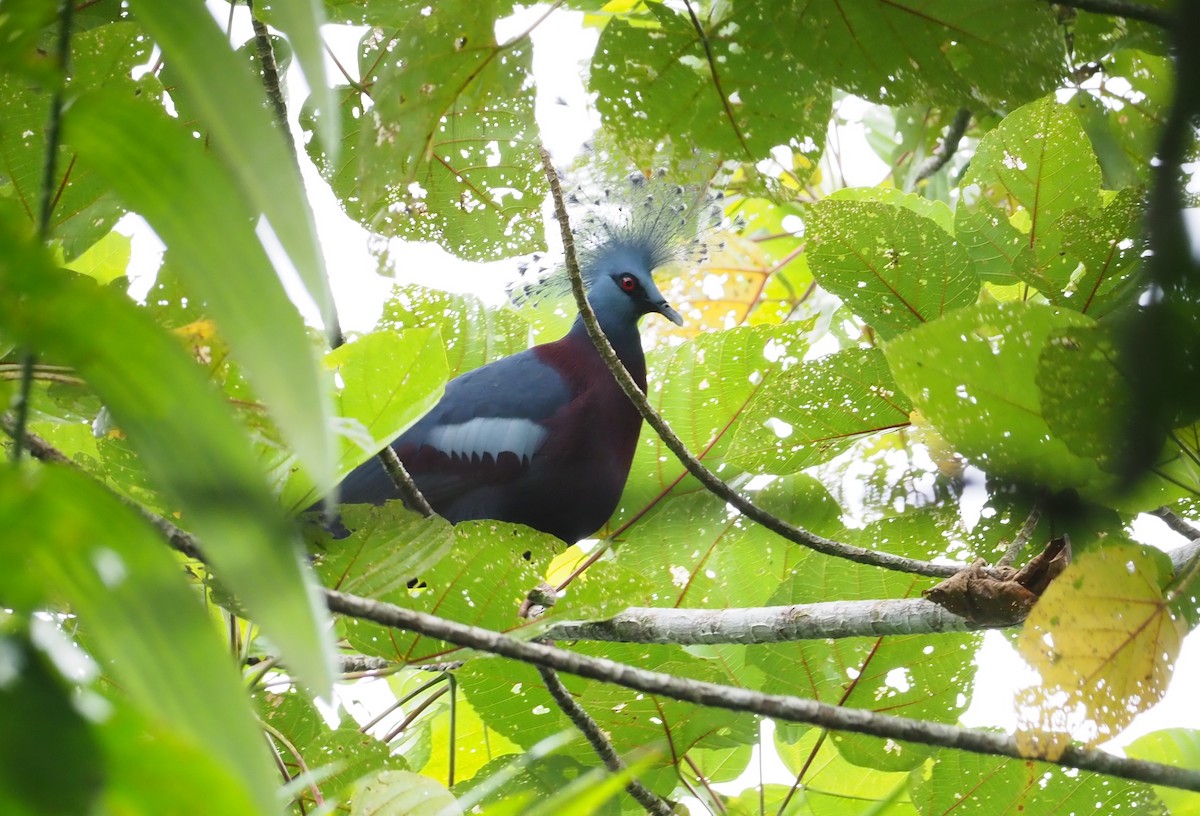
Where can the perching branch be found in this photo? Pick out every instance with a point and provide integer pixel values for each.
(946, 150)
(1122, 8)
(779, 707)
(769, 624)
(693, 465)
(600, 743)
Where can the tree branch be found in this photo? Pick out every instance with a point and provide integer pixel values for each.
(780, 707)
(1177, 523)
(769, 624)
(945, 151)
(1022, 537)
(1122, 8)
(710, 480)
(791, 709)
(270, 74)
(600, 743)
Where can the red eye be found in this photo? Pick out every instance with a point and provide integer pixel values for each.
(627, 283)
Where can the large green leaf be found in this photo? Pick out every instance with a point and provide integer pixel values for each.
(814, 411)
(1037, 159)
(893, 267)
(41, 732)
(999, 53)
(154, 164)
(1011, 787)
(1171, 746)
(474, 573)
(446, 151)
(184, 432)
(973, 375)
(85, 208)
(655, 78)
(232, 106)
(703, 389)
(63, 538)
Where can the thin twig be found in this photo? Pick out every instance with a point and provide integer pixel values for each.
(693, 465)
(1022, 538)
(270, 74)
(46, 199)
(945, 151)
(716, 76)
(1122, 8)
(780, 707)
(645, 797)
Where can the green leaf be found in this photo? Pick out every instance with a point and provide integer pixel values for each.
(511, 698)
(908, 676)
(1172, 746)
(233, 110)
(154, 165)
(447, 150)
(65, 538)
(42, 732)
(834, 786)
(999, 53)
(172, 416)
(993, 244)
(345, 753)
(815, 410)
(1122, 118)
(403, 793)
(702, 389)
(1109, 244)
(85, 209)
(973, 375)
(480, 576)
(473, 334)
(1009, 787)
(891, 266)
(106, 260)
(388, 381)
(1037, 159)
(654, 78)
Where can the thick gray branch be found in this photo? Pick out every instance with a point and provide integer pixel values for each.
(790, 709)
(769, 624)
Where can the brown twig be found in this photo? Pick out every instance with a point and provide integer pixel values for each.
(945, 151)
(600, 743)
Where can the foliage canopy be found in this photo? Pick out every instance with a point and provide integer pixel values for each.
(912, 367)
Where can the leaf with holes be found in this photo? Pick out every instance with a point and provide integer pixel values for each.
(815, 410)
(973, 373)
(892, 267)
(1038, 160)
(702, 389)
(739, 88)
(1104, 641)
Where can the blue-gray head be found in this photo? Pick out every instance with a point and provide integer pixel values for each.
(622, 235)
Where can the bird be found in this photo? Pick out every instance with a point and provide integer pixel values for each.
(546, 437)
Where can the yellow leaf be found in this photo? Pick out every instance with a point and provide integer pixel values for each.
(1104, 641)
